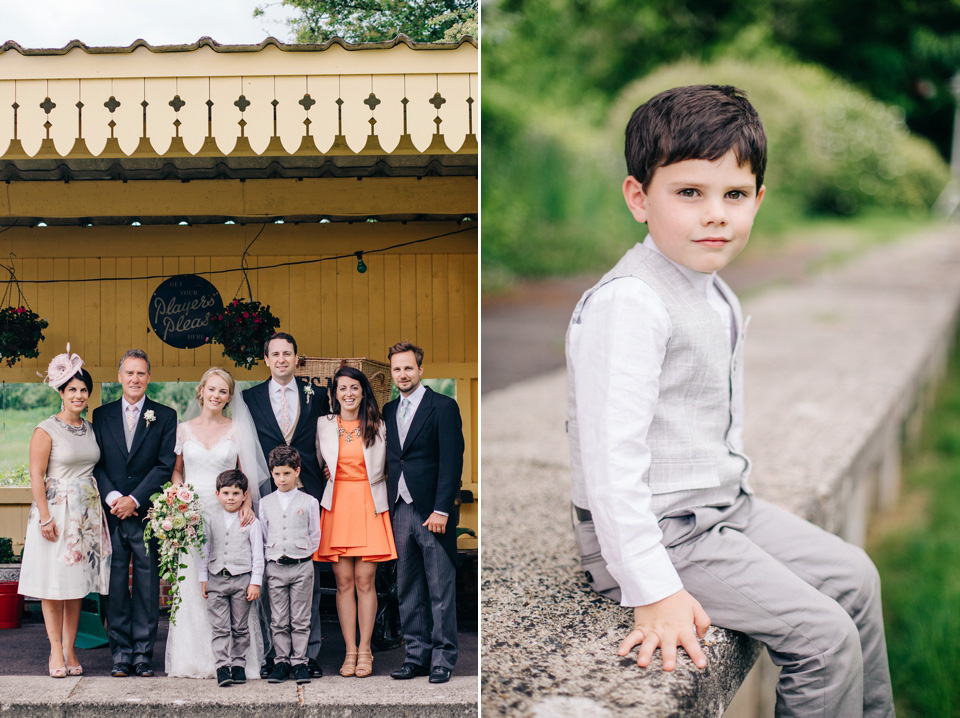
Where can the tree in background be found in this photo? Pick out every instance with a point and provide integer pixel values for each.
(382, 20)
(902, 52)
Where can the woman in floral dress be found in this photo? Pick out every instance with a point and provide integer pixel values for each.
(67, 550)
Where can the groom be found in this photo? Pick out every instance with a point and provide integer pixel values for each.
(285, 411)
(136, 437)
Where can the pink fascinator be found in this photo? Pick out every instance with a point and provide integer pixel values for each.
(62, 367)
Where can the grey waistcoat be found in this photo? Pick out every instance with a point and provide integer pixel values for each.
(694, 461)
(229, 548)
(287, 532)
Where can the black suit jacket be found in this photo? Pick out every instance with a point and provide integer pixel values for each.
(431, 460)
(304, 435)
(148, 465)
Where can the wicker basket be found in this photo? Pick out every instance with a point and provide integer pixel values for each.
(319, 372)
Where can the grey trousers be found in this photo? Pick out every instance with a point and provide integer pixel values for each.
(313, 646)
(810, 597)
(426, 584)
(229, 612)
(290, 589)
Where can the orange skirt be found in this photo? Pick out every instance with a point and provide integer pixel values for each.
(353, 528)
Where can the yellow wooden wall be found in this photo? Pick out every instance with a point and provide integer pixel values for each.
(426, 293)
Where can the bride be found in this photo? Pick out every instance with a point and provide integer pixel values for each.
(206, 446)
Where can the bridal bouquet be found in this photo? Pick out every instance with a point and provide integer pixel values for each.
(175, 518)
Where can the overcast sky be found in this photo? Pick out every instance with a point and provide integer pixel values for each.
(54, 23)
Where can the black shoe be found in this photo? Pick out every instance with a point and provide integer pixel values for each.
(281, 672)
(314, 668)
(409, 670)
(223, 676)
(439, 674)
(121, 669)
(238, 675)
(267, 668)
(143, 670)
(301, 674)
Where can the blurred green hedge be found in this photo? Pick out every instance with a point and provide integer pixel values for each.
(551, 174)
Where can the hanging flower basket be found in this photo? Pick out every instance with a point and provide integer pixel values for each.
(242, 328)
(21, 331)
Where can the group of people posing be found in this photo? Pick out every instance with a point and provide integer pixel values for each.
(288, 478)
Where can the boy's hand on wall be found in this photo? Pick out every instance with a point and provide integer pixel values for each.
(677, 620)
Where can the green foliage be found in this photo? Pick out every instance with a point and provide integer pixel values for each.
(19, 475)
(21, 331)
(901, 51)
(382, 20)
(918, 562)
(33, 395)
(551, 191)
(832, 148)
(176, 395)
(6, 551)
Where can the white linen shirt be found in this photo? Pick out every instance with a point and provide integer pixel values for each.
(617, 388)
(278, 392)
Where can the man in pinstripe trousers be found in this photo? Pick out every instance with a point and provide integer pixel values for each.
(424, 464)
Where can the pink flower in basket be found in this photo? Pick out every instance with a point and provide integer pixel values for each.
(185, 494)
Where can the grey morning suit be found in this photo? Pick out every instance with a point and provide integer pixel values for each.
(289, 587)
(229, 568)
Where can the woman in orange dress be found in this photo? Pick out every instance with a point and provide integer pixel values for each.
(355, 531)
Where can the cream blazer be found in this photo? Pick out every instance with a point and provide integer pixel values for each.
(374, 457)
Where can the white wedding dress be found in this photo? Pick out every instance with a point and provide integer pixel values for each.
(189, 652)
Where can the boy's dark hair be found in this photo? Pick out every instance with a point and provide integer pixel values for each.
(234, 478)
(284, 455)
(279, 335)
(698, 122)
(401, 347)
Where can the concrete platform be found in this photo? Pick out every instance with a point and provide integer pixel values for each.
(25, 690)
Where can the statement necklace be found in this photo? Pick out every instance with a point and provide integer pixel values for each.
(75, 430)
(347, 435)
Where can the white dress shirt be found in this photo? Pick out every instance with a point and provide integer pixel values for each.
(124, 407)
(617, 388)
(278, 392)
(415, 398)
(256, 549)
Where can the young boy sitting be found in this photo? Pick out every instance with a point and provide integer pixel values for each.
(291, 533)
(233, 558)
(654, 355)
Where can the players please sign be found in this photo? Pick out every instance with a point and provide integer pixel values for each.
(180, 310)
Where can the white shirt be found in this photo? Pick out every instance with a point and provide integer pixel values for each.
(415, 398)
(256, 549)
(618, 385)
(125, 407)
(279, 392)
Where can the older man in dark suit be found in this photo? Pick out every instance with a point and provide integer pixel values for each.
(424, 467)
(285, 411)
(136, 437)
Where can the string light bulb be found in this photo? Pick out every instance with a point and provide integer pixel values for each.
(361, 267)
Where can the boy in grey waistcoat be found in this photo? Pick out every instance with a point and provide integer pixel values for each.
(291, 534)
(669, 525)
(231, 572)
